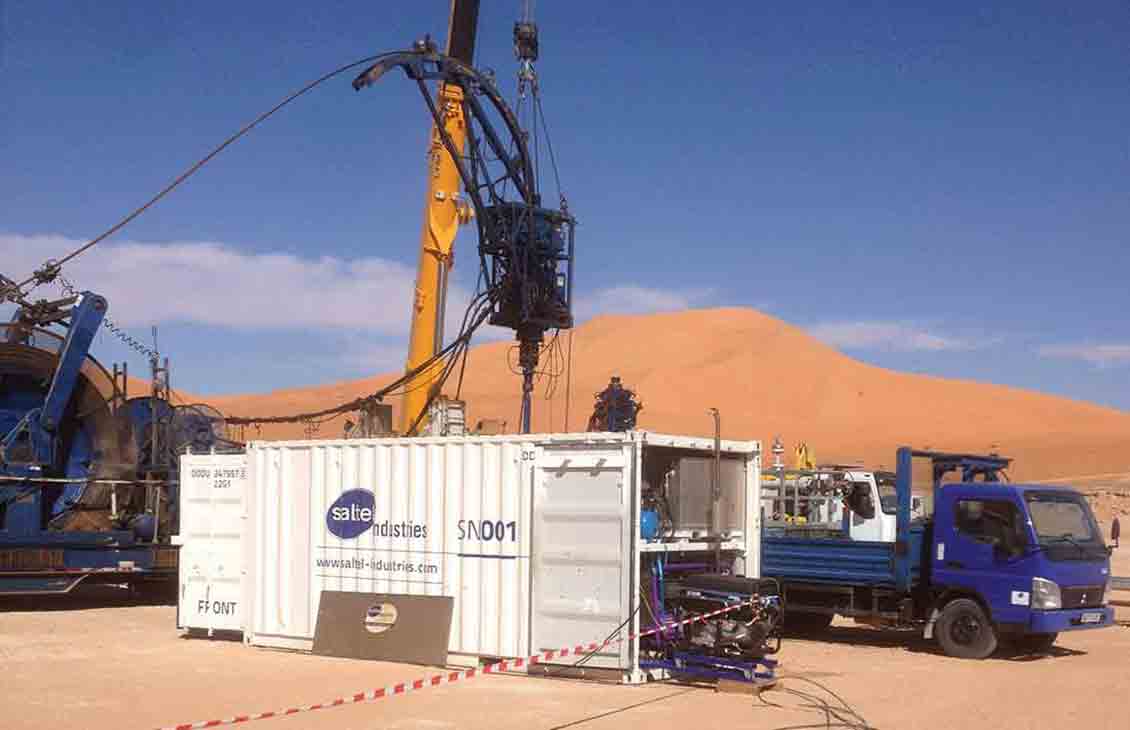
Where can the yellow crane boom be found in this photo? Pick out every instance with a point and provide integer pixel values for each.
(444, 211)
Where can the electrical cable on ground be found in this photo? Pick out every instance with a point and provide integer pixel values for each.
(844, 716)
(619, 710)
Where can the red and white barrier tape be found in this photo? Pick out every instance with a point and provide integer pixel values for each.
(436, 680)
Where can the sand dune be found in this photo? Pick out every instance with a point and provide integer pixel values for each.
(767, 378)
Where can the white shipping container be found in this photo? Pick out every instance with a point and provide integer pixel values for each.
(433, 517)
(535, 537)
(211, 559)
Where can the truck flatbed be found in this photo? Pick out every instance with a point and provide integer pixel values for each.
(835, 560)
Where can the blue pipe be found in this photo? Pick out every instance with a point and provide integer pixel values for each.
(902, 556)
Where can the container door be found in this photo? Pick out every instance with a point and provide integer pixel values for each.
(211, 530)
(581, 549)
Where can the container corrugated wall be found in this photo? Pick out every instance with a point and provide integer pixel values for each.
(450, 518)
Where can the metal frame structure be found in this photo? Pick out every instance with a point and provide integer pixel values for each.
(672, 654)
(59, 444)
(526, 250)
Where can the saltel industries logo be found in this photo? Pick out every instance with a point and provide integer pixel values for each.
(354, 513)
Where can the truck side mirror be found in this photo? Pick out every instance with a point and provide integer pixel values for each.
(1115, 531)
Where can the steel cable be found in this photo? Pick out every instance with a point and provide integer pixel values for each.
(52, 267)
(844, 716)
(450, 351)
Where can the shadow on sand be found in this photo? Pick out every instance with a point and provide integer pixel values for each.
(912, 641)
(88, 596)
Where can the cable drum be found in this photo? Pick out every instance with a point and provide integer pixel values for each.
(90, 437)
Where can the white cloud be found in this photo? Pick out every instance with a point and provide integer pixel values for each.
(349, 317)
(216, 284)
(872, 335)
(1099, 355)
(632, 299)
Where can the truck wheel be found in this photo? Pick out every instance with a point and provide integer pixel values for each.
(965, 631)
(1035, 643)
(798, 622)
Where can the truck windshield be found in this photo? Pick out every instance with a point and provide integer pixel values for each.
(1064, 519)
(888, 495)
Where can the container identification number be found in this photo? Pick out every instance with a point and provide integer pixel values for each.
(221, 478)
(488, 530)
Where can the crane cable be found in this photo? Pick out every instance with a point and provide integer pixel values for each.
(51, 268)
(452, 351)
(527, 53)
(457, 350)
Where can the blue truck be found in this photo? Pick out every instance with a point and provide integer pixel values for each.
(996, 564)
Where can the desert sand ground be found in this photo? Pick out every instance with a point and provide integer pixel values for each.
(82, 664)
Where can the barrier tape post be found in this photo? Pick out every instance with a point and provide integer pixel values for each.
(451, 677)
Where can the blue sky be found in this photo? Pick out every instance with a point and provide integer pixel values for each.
(941, 188)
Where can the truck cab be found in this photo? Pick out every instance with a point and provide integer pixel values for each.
(1031, 556)
(875, 518)
(886, 490)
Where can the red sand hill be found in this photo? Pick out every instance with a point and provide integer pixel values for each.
(767, 378)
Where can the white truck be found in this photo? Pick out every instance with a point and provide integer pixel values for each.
(834, 498)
